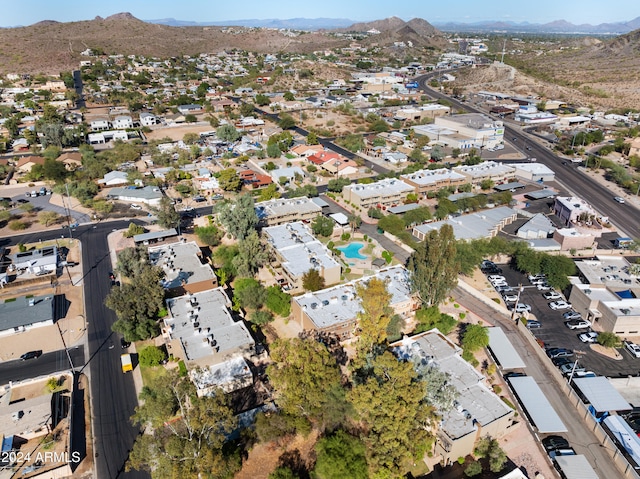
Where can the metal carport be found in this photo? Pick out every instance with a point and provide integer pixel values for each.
(503, 350)
(536, 405)
(601, 394)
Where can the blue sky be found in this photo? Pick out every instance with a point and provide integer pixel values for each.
(27, 12)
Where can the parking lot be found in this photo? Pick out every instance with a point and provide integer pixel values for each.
(555, 334)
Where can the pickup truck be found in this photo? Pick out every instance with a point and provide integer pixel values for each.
(127, 365)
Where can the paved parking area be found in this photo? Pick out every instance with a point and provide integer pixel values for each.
(555, 334)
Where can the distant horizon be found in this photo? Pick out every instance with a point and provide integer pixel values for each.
(593, 12)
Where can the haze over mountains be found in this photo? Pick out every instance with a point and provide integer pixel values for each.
(558, 26)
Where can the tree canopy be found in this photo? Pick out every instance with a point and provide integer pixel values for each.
(434, 266)
(188, 434)
(239, 219)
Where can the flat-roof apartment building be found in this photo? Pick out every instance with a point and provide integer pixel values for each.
(386, 192)
(283, 210)
(432, 180)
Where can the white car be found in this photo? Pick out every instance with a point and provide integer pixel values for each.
(496, 278)
(522, 308)
(534, 277)
(590, 337)
(578, 324)
(619, 199)
(510, 298)
(136, 207)
(557, 305)
(551, 295)
(633, 349)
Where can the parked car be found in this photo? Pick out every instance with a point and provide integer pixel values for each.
(558, 305)
(514, 374)
(538, 281)
(567, 368)
(578, 324)
(124, 344)
(504, 289)
(31, 355)
(559, 353)
(533, 324)
(496, 278)
(571, 315)
(633, 349)
(551, 295)
(510, 297)
(554, 442)
(567, 451)
(589, 337)
(558, 362)
(536, 277)
(544, 287)
(199, 199)
(522, 308)
(217, 197)
(136, 207)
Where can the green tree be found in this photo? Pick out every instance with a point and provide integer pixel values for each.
(252, 255)
(278, 301)
(312, 280)
(223, 258)
(431, 317)
(374, 318)
(248, 293)
(486, 185)
(228, 133)
(308, 382)
(131, 261)
(239, 219)
(475, 337)
(137, 304)
(246, 109)
(609, 340)
(490, 449)
(262, 100)
(209, 235)
(394, 419)
(193, 443)
(261, 317)
(312, 139)
(286, 122)
(340, 456)
(557, 269)
(273, 150)
(434, 266)
(151, 356)
(268, 193)
(283, 472)
(322, 226)
(133, 230)
(335, 185)
(473, 469)
(166, 213)
(48, 217)
(229, 180)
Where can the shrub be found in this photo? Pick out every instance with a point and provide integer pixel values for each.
(278, 301)
(261, 317)
(151, 356)
(182, 368)
(17, 225)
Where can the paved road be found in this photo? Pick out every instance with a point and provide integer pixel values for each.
(579, 435)
(626, 217)
(48, 363)
(77, 79)
(113, 394)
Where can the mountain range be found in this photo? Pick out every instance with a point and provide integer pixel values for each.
(558, 26)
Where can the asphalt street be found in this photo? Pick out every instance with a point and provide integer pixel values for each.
(625, 216)
(48, 363)
(113, 394)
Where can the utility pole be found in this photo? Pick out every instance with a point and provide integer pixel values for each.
(504, 44)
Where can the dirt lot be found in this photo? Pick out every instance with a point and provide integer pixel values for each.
(177, 133)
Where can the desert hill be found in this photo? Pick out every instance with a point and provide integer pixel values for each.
(50, 47)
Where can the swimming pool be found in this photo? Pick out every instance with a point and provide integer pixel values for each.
(352, 250)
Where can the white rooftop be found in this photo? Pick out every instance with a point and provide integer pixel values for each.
(181, 264)
(285, 207)
(612, 271)
(385, 187)
(203, 324)
(430, 177)
(339, 304)
(299, 248)
(485, 168)
(535, 168)
(229, 375)
(475, 225)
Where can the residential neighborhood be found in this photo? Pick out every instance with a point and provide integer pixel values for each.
(346, 262)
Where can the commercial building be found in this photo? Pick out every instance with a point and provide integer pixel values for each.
(476, 412)
(571, 210)
(283, 210)
(483, 224)
(533, 171)
(200, 329)
(184, 269)
(487, 170)
(422, 113)
(424, 181)
(335, 310)
(470, 130)
(571, 238)
(383, 193)
(297, 251)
